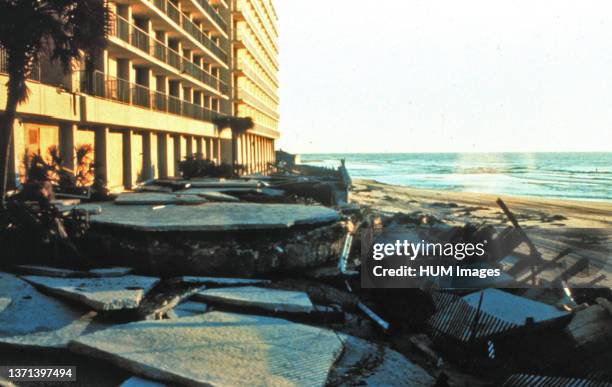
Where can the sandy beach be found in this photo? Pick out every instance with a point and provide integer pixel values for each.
(461, 207)
(552, 224)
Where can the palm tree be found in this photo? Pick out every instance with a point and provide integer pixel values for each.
(63, 30)
(238, 125)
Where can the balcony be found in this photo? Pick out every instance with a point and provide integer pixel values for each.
(268, 21)
(138, 38)
(108, 87)
(268, 45)
(258, 104)
(35, 75)
(247, 42)
(248, 70)
(210, 10)
(191, 28)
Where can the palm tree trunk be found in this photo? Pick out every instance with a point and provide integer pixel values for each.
(6, 135)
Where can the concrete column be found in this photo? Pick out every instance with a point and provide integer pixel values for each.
(200, 148)
(162, 154)
(67, 143)
(256, 164)
(255, 155)
(148, 152)
(101, 154)
(254, 161)
(260, 154)
(210, 151)
(177, 154)
(128, 171)
(189, 147)
(218, 150)
(245, 151)
(194, 144)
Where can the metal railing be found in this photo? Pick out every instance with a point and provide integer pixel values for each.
(142, 40)
(35, 74)
(189, 26)
(258, 33)
(269, 23)
(213, 14)
(254, 101)
(246, 40)
(108, 87)
(250, 72)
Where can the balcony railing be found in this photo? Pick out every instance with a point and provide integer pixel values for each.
(213, 14)
(263, 40)
(146, 43)
(108, 87)
(246, 40)
(189, 26)
(250, 72)
(254, 101)
(35, 74)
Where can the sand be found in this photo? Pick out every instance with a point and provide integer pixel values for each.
(459, 207)
(552, 224)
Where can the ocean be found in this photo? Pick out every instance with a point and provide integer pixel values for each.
(581, 176)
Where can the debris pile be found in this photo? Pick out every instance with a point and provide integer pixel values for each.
(257, 281)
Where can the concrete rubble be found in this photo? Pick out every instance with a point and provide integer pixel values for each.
(256, 281)
(188, 309)
(30, 319)
(135, 381)
(214, 217)
(220, 281)
(101, 294)
(202, 350)
(153, 198)
(365, 363)
(49, 271)
(214, 196)
(254, 297)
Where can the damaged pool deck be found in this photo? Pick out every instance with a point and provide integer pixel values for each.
(213, 216)
(192, 344)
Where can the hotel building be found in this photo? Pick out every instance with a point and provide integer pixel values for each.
(169, 68)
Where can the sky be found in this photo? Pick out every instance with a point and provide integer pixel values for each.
(445, 76)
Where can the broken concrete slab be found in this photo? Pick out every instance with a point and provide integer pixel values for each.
(135, 381)
(218, 349)
(49, 271)
(198, 191)
(111, 271)
(189, 309)
(154, 198)
(272, 192)
(215, 196)
(215, 217)
(89, 208)
(364, 363)
(220, 281)
(223, 183)
(256, 297)
(30, 319)
(164, 298)
(591, 328)
(101, 294)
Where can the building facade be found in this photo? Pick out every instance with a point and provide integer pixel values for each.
(254, 77)
(170, 67)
